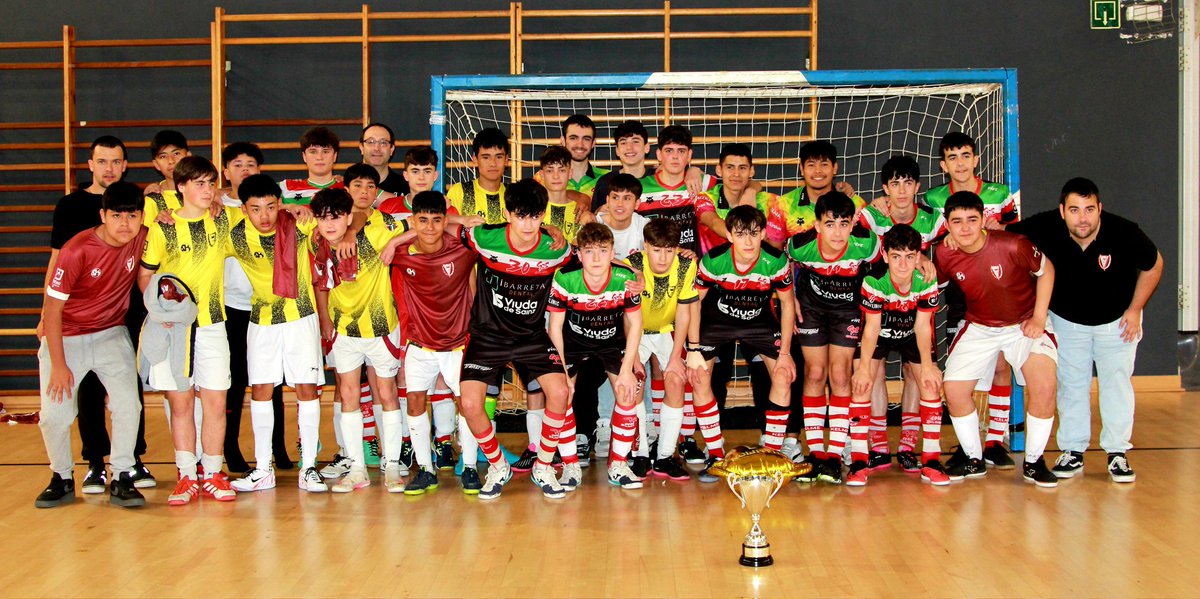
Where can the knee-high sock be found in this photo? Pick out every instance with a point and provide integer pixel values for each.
(814, 424)
(999, 405)
(931, 430)
(657, 392)
(1037, 434)
(308, 417)
(262, 422)
(642, 448)
(567, 438)
(533, 425)
(624, 428)
(352, 432)
(966, 428)
(878, 433)
(467, 443)
(910, 427)
(337, 427)
(487, 443)
(668, 437)
(552, 423)
(709, 419)
(860, 417)
(839, 424)
(776, 425)
(393, 434)
(367, 406)
(444, 416)
(418, 432)
(688, 428)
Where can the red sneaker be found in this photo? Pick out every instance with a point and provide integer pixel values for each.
(857, 476)
(217, 487)
(185, 491)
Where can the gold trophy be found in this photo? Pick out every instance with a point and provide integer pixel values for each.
(755, 475)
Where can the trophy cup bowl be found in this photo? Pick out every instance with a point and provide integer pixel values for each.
(755, 475)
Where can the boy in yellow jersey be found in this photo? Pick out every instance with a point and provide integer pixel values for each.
(484, 195)
(193, 249)
(283, 338)
(666, 313)
(360, 320)
(568, 209)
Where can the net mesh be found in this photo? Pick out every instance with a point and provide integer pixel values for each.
(867, 123)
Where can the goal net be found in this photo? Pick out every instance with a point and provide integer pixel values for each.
(868, 115)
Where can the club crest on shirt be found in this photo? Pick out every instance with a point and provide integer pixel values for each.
(448, 269)
(1105, 261)
(129, 264)
(998, 271)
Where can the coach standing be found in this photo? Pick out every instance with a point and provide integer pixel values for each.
(1106, 275)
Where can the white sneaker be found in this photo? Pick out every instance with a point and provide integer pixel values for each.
(311, 481)
(357, 479)
(497, 475)
(791, 449)
(572, 476)
(255, 480)
(339, 467)
(543, 477)
(392, 480)
(621, 475)
(603, 437)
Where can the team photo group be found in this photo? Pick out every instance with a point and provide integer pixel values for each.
(617, 301)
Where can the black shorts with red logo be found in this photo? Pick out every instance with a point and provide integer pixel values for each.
(759, 338)
(822, 326)
(906, 347)
(487, 357)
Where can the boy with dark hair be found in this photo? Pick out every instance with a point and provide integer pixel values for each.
(192, 248)
(377, 144)
(898, 308)
(605, 327)
(85, 332)
(793, 213)
(420, 174)
(567, 209)
(319, 150)
(167, 148)
(516, 266)
(831, 260)
(665, 193)
(283, 338)
(484, 195)
(632, 145)
(738, 282)
(735, 167)
(621, 216)
(1007, 283)
(579, 138)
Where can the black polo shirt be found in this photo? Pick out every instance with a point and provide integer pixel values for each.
(1092, 286)
(74, 213)
(394, 182)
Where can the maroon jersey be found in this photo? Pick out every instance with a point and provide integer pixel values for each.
(94, 278)
(435, 293)
(999, 281)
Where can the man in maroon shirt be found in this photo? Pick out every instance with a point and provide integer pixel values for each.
(436, 270)
(85, 304)
(1007, 283)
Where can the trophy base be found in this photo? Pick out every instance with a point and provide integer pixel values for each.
(756, 557)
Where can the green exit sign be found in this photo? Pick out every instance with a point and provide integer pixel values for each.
(1106, 14)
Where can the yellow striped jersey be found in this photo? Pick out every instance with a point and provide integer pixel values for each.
(470, 199)
(193, 249)
(664, 292)
(256, 254)
(365, 307)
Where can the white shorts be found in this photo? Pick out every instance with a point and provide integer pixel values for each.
(658, 345)
(382, 353)
(422, 367)
(210, 358)
(288, 351)
(973, 353)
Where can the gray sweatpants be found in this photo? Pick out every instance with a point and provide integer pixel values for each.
(109, 354)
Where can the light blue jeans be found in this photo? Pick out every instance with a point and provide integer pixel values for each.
(1078, 347)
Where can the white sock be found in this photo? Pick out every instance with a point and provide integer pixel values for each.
(670, 421)
(444, 414)
(308, 419)
(352, 434)
(1037, 434)
(966, 428)
(467, 443)
(337, 427)
(643, 448)
(212, 464)
(418, 430)
(392, 434)
(380, 425)
(262, 422)
(533, 425)
(185, 461)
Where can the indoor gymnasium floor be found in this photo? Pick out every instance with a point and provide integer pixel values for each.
(995, 537)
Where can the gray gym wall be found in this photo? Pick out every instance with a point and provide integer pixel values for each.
(1090, 104)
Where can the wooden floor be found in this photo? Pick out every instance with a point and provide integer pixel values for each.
(996, 537)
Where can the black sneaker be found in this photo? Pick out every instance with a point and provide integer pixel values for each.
(422, 481)
(690, 452)
(1068, 465)
(705, 476)
(470, 481)
(60, 491)
(966, 468)
(525, 462)
(877, 460)
(996, 456)
(957, 458)
(583, 449)
(142, 478)
(96, 480)
(123, 493)
(1119, 470)
(445, 456)
(1039, 474)
(406, 455)
(832, 472)
(670, 468)
(640, 465)
(817, 464)
(908, 461)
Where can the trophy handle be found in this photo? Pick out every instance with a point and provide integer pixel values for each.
(732, 481)
(778, 478)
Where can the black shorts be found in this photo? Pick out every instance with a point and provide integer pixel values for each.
(756, 340)
(906, 347)
(822, 327)
(487, 357)
(609, 359)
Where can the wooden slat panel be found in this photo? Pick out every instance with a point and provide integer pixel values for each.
(27, 208)
(21, 270)
(21, 291)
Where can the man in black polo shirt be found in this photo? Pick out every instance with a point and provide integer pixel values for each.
(76, 212)
(1105, 277)
(377, 145)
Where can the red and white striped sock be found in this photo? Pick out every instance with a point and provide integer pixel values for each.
(999, 404)
(860, 417)
(368, 411)
(688, 428)
(910, 426)
(658, 390)
(567, 438)
(624, 429)
(931, 430)
(839, 424)
(709, 419)
(552, 424)
(776, 426)
(814, 424)
(878, 433)
(489, 445)
(441, 407)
